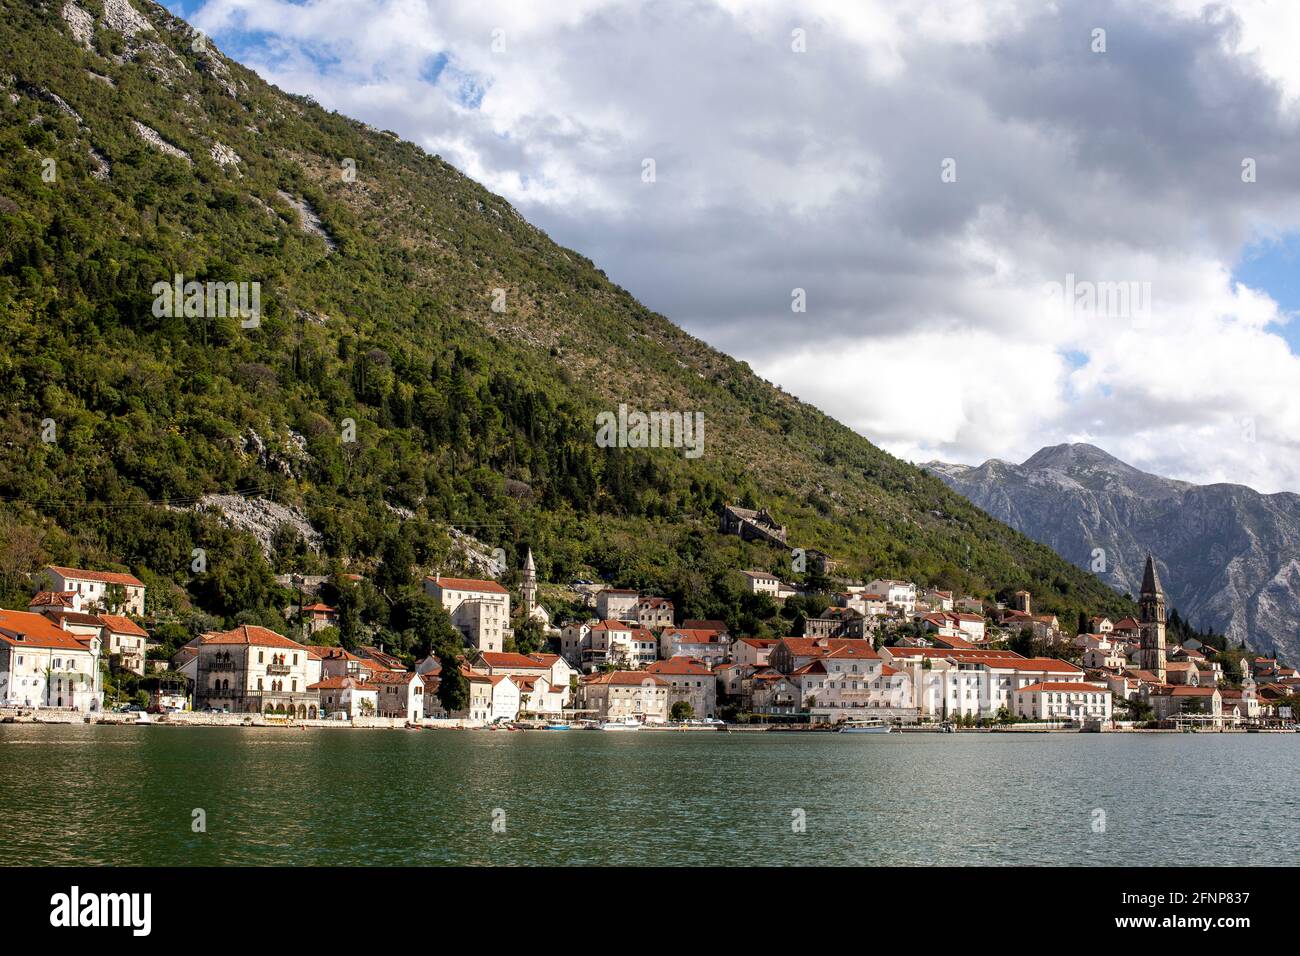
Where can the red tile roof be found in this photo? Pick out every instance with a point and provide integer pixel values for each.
(36, 631)
(339, 683)
(626, 679)
(680, 666)
(104, 577)
(1077, 687)
(503, 659)
(469, 584)
(692, 635)
(52, 599)
(825, 646)
(123, 625)
(251, 634)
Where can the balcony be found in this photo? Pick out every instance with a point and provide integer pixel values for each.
(280, 669)
(221, 665)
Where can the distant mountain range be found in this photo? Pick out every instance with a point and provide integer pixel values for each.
(1229, 556)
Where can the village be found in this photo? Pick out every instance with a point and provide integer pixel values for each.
(886, 655)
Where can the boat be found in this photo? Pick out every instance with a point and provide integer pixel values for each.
(865, 725)
(627, 723)
(557, 727)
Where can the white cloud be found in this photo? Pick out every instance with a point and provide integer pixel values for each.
(928, 328)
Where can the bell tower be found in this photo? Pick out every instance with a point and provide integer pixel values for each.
(1151, 622)
(528, 586)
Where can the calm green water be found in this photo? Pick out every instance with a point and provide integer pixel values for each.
(125, 796)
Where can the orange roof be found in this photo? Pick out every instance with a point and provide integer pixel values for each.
(123, 625)
(503, 659)
(105, 577)
(319, 607)
(52, 599)
(339, 683)
(612, 625)
(390, 677)
(1064, 685)
(1046, 664)
(825, 646)
(36, 631)
(251, 634)
(626, 679)
(469, 584)
(680, 666)
(693, 635)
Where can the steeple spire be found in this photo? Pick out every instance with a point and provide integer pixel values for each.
(1151, 579)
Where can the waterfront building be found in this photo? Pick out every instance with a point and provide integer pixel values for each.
(480, 610)
(251, 669)
(399, 694)
(619, 694)
(772, 693)
(351, 696)
(43, 665)
(838, 686)
(340, 662)
(1064, 700)
(492, 697)
(689, 680)
(972, 682)
(553, 696)
(1170, 701)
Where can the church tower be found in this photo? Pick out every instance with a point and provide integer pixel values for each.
(528, 587)
(1151, 620)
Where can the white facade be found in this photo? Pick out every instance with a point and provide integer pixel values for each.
(480, 610)
(492, 698)
(900, 594)
(93, 586)
(42, 665)
(1064, 700)
(620, 694)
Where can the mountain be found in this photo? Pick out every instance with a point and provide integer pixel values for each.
(1229, 556)
(425, 363)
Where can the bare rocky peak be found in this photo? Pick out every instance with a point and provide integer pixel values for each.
(1228, 555)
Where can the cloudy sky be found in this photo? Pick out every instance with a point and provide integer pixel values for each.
(934, 175)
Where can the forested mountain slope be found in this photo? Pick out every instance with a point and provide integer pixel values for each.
(377, 297)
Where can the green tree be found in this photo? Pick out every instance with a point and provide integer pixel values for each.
(682, 710)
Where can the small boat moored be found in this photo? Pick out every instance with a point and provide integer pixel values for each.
(865, 725)
(626, 723)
